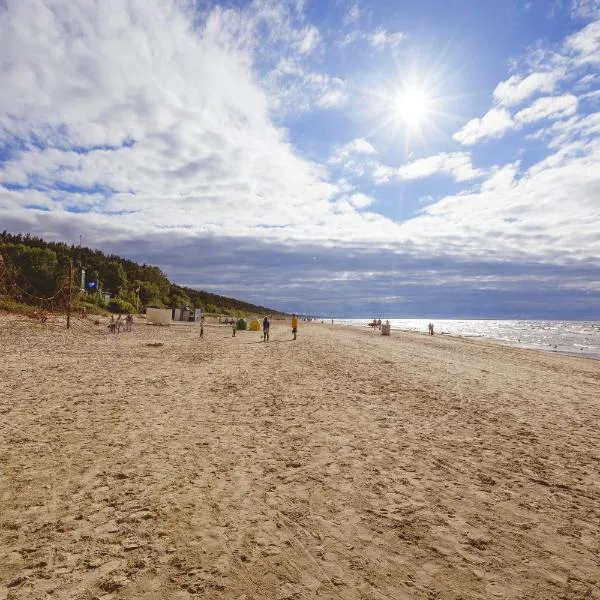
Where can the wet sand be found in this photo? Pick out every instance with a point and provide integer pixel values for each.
(342, 465)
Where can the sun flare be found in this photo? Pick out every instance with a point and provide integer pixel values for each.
(412, 106)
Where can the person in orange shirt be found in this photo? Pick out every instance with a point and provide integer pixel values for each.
(294, 325)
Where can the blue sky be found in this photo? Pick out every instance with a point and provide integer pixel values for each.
(343, 157)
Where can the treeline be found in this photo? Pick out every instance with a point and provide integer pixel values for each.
(40, 267)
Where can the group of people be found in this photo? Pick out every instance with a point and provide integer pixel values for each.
(375, 324)
(266, 328)
(115, 325)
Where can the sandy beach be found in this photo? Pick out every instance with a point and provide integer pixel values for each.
(156, 465)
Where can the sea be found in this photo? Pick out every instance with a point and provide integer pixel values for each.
(580, 338)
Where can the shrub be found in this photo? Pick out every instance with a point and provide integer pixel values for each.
(11, 306)
(91, 308)
(241, 325)
(117, 305)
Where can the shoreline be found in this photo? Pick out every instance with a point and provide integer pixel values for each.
(504, 342)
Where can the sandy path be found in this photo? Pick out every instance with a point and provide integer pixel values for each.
(344, 465)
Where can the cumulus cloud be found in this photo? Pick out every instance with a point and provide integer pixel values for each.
(493, 124)
(456, 164)
(584, 46)
(518, 88)
(162, 122)
(357, 146)
(548, 70)
(548, 108)
(546, 212)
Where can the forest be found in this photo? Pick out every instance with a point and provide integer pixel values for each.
(39, 269)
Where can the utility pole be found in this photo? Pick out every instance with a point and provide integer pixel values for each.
(70, 293)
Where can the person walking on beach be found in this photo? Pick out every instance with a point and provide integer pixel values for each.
(128, 322)
(295, 325)
(430, 327)
(202, 326)
(266, 327)
(234, 326)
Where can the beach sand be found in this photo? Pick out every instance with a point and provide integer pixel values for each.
(344, 465)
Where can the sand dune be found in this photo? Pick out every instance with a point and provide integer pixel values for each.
(343, 465)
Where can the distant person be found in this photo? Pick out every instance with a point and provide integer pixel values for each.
(128, 322)
(233, 326)
(112, 327)
(295, 325)
(378, 323)
(120, 323)
(202, 326)
(266, 328)
(430, 327)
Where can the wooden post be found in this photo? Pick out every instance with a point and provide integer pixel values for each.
(70, 293)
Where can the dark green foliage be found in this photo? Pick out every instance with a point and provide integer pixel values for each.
(115, 278)
(43, 267)
(117, 305)
(241, 325)
(36, 270)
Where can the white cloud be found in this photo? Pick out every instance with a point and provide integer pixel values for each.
(456, 164)
(359, 200)
(172, 120)
(297, 91)
(382, 39)
(585, 8)
(554, 107)
(493, 124)
(357, 146)
(549, 70)
(584, 45)
(497, 121)
(517, 88)
(309, 39)
(383, 174)
(501, 178)
(332, 98)
(550, 212)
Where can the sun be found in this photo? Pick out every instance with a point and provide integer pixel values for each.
(412, 106)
